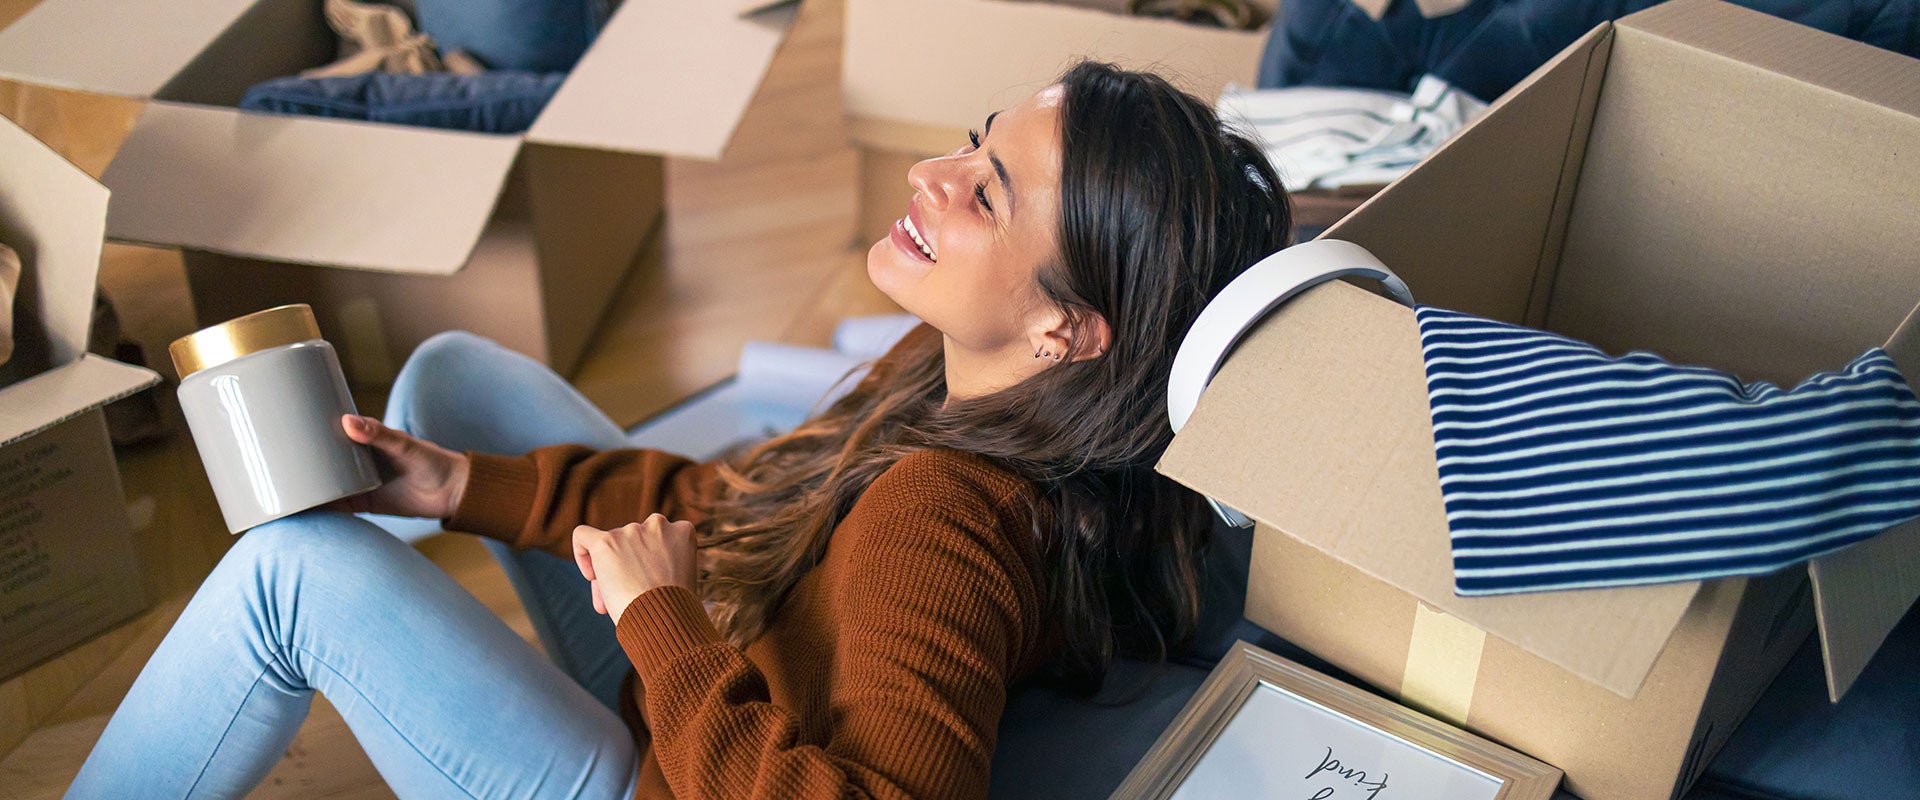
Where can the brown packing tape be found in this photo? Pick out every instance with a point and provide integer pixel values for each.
(1443, 664)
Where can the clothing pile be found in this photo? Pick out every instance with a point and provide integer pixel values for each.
(1239, 15)
(1324, 138)
(1353, 93)
(480, 66)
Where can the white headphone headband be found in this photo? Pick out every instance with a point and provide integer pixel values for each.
(1248, 299)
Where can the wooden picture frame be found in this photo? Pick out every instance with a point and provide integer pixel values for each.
(1439, 761)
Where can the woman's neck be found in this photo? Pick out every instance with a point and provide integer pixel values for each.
(974, 374)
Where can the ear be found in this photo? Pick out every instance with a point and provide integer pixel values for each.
(1084, 334)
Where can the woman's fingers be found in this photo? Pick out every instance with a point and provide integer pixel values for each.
(628, 561)
(585, 537)
(373, 433)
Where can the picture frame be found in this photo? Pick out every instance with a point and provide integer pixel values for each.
(1263, 726)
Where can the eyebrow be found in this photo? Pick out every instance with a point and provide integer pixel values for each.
(1006, 183)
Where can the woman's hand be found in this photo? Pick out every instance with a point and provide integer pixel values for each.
(625, 562)
(423, 478)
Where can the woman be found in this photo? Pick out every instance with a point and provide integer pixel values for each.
(982, 508)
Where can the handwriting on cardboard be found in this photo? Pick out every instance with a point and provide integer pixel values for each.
(1280, 745)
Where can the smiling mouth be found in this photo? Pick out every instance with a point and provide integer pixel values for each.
(919, 241)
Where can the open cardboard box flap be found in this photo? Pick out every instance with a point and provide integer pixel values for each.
(1862, 592)
(1566, 207)
(65, 392)
(664, 77)
(130, 49)
(306, 189)
(53, 214)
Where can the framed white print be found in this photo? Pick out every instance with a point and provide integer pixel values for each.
(1263, 726)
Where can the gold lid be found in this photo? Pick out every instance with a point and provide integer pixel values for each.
(260, 330)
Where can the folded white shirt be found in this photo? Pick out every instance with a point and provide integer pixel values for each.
(1323, 138)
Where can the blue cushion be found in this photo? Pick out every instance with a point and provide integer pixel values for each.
(1795, 744)
(1058, 747)
(534, 35)
(490, 102)
(1055, 747)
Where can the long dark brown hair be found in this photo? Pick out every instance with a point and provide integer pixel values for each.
(1161, 205)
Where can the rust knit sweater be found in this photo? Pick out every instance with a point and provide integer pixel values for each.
(883, 674)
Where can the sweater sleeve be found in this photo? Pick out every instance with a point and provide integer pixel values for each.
(534, 501)
(932, 606)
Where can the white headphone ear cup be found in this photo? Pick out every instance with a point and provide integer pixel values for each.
(1247, 300)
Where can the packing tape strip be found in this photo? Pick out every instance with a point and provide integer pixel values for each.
(1443, 664)
(1245, 301)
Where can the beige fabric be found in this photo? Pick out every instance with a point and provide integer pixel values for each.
(9, 284)
(1230, 14)
(381, 38)
(1428, 8)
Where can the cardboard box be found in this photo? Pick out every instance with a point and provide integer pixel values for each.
(67, 567)
(918, 74)
(1699, 180)
(394, 233)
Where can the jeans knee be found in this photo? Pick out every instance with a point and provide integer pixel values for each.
(329, 539)
(452, 343)
(439, 365)
(442, 353)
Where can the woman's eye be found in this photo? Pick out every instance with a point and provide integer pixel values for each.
(980, 192)
(974, 137)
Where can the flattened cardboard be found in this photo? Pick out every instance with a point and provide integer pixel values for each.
(130, 49)
(377, 197)
(702, 60)
(991, 53)
(1345, 464)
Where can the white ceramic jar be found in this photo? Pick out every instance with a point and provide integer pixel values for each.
(263, 395)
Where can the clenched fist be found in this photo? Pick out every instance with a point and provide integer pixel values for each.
(623, 563)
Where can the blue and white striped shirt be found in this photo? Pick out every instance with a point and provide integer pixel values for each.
(1562, 467)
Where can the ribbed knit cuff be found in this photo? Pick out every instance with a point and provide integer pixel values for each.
(498, 498)
(661, 624)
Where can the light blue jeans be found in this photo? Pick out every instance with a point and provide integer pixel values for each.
(446, 700)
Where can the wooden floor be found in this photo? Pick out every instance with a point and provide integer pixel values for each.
(757, 246)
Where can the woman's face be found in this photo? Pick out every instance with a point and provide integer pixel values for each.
(987, 217)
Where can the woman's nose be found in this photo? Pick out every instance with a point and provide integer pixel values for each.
(935, 178)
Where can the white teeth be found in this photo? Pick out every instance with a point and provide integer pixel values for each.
(914, 233)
